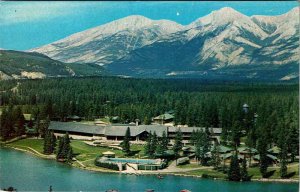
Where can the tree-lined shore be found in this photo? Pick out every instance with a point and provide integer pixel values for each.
(255, 116)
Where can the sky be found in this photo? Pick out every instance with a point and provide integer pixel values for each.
(26, 25)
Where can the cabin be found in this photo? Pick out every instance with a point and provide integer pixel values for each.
(115, 119)
(28, 117)
(226, 158)
(215, 133)
(73, 118)
(271, 159)
(99, 122)
(223, 149)
(189, 151)
(247, 152)
(274, 151)
(163, 119)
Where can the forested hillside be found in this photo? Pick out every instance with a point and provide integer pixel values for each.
(195, 102)
(272, 116)
(22, 65)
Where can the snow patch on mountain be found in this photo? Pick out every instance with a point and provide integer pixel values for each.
(220, 39)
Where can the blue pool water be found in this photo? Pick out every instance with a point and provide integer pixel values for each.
(138, 161)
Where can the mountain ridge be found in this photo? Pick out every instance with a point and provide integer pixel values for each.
(137, 45)
(24, 65)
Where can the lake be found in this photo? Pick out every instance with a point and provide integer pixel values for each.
(28, 173)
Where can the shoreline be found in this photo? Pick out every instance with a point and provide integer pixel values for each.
(99, 170)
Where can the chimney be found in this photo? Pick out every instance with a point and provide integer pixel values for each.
(137, 122)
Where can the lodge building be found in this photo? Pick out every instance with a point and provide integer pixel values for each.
(116, 132)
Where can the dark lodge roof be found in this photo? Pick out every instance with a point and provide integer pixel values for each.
(190, 129)
(76, 127)
(119, 130)
(134, 130)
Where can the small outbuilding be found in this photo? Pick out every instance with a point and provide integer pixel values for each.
(163, 119)
(109, 154)
(183, 160)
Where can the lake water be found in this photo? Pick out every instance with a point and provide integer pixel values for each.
(29, 173)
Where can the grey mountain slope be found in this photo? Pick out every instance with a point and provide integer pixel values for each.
(109, 42)
(219, 42)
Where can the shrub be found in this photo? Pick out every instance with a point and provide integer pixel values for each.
(107, 165)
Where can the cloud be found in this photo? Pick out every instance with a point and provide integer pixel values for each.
(19, 12)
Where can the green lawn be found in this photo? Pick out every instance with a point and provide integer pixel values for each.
(36, 144)
(82, 151)
(138, 149)
(208, 171)
(294, 167)
(188, 166)
(86, 152)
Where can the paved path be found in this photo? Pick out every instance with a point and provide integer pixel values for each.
(40, 154)
(80, 163)
(173, 168)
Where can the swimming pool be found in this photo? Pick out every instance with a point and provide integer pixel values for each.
(136, 161)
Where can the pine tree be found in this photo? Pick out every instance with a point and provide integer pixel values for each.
(59, 153)
(64, 151)
(53, 142)
(47, 143)
(70, 155)
(177, 144)
(153, 146)
(202, 146)
(234, 169)
(216, 160)
(66, 145)
(283, 168)
(235, 134)
(193, 138)
(4, 126)
(38, 126)
(164, 141)
(293, 141)
(206, 145)
(126, 142)
(283, 153)
(159, 149)
(262, 150)
(19, 121)
(148, 145)
(244, 172)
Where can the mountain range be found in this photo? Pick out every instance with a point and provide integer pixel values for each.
(222, 45)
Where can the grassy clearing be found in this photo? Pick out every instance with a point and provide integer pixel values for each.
(36, 144)
(86, 152)
(82, 151)
(254, 171)
(294, 167)
(138, 150)
(189, 166)
(208, 171)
